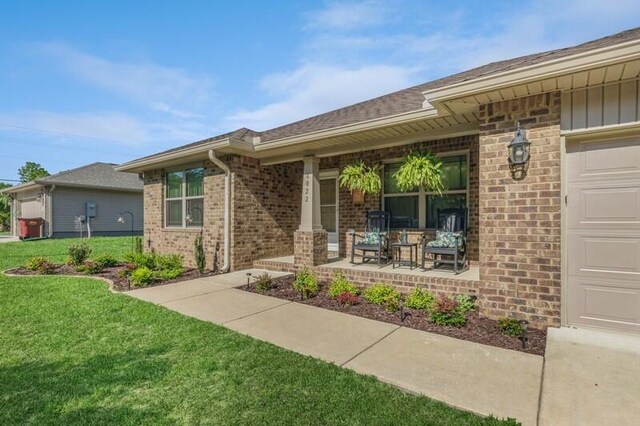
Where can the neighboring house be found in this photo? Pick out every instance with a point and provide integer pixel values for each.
(64, 202)
(559, 247)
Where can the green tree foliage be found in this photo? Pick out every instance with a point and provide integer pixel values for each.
(31, 171)
(5, 208)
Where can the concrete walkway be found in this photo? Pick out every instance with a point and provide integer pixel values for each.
(591, 378)
(474, 377)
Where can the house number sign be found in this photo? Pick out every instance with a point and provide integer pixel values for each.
(307, 184)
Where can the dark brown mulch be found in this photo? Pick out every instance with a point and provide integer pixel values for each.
(477, 329)
(113, 274)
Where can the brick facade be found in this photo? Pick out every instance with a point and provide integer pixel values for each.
(520, 219)
(310, 248)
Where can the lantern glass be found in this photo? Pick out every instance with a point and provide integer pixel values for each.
(121, 219)
(519, 148)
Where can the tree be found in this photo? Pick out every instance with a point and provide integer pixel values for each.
(5, 208)
(31, 171)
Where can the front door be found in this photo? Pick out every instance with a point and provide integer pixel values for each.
(329, 210)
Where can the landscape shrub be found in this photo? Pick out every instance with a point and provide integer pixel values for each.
(391, 303)
(155, 261)
(466, 302)
(90, 267)
(306, 283)
(340, 285)
(78, 253)
(168, 274)
(420, 299)
(127, 271)
(264, 282)
(142, 276)
(106, 261)
(447, 311)
(41, 265)
(169, 261)
(348, 298)
(381, 294)
(138, 248)
(510, 327)
(201, 259)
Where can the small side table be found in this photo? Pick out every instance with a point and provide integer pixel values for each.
(397, 255)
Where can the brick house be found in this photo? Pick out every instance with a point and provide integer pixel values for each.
(560, 246)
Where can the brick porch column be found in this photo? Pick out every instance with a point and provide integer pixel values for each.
(310, 240)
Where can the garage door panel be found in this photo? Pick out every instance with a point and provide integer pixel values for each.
(597, 160)
(605, 304)
(612, 205)
(606, 255)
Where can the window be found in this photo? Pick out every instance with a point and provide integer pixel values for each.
(418, 208)
(184, 198)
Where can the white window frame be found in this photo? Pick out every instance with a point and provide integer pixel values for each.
(422, 194)
(183, 198)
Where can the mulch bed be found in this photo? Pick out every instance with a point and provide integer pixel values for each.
(477, 329)
(112, 273)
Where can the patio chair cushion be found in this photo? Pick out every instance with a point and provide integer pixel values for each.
(445, 239)
(371, 238)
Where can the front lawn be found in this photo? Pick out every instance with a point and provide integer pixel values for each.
(72, 352)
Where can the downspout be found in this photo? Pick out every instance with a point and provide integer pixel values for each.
(50, 211)
(227, 208)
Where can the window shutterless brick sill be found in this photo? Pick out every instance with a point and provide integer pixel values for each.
(194, 230)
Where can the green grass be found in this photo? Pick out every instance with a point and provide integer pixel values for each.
(71, 352)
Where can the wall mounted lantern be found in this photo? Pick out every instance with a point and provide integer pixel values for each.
(519, 153)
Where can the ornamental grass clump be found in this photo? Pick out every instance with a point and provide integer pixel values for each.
(264, 282)
(420, 169)
(306, 283)
(340, 285)
(420, 299)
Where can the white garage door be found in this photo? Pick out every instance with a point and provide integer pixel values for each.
(603, 220)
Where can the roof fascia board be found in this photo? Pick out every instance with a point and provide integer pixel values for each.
(548, 69)
(21, 187)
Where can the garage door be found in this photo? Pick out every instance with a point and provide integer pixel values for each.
(603, 219)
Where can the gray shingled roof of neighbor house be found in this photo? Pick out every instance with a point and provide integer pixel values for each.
(410, 99)
(94, 175)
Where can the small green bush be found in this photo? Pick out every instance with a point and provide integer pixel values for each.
(420, 299)
(340, 285)
(168, 274)
(170, 261)
(78, 253)
(201, 259)
(391, 303)
(142, 276)
(90, 267)
(381, 294)
(306, 283)
(466, 302)
(264, 282)
(41, 265)
(138, 245)
(154, 261)
(447, 311)
(106, 261)
(510, 327)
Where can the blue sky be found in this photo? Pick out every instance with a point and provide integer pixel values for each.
(111, 81)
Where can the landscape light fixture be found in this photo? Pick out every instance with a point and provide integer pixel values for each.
(122, 221)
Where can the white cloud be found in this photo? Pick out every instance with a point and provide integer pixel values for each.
(348, 16)
(313, 89)
(148, 83)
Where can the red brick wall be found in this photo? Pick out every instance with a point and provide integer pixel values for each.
(352, 215)
(520, 219)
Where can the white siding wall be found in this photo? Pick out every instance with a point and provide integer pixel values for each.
(68, 203)
(610, 104)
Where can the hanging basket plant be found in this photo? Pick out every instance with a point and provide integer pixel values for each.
(361, 179)
(420, 169)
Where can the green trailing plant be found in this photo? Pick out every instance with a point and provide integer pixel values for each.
(264, 282)
(381, 294)
(138, 246)
(420, 169)
(466, 302)
(201, 259)
(142, 277)
(306, 283)
(511, 327)
(106, 261)
(41, 265)
(78, 253)
(446, 311)
(361, 177)
(340, 285)
(420, 299)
